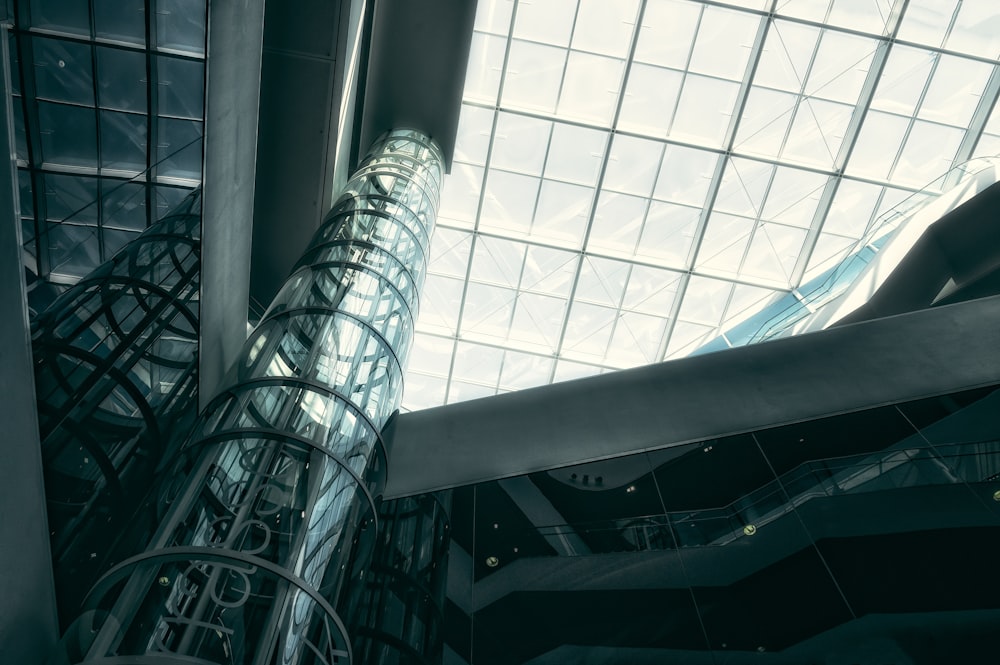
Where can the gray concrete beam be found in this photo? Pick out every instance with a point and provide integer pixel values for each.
(844, 369)
(28, 625)
(416, 69)
(232, 83)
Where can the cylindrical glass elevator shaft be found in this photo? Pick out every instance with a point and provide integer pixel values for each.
(115, 362)
(276, 512)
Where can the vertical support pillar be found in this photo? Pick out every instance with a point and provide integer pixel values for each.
(28, 619)
(277, 513)
(115, 367)
(232, 84)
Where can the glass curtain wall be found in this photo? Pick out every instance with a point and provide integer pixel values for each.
(274, 514)
(115, 365)
(399, 613)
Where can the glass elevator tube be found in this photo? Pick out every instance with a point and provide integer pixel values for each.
(276, 512)
(115, 361)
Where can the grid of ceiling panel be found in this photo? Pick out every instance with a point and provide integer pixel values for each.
(633, 178)
(108, 101)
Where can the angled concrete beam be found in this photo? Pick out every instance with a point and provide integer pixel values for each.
(28, 627)
(416, 69)
(844, 369)
(232, 83)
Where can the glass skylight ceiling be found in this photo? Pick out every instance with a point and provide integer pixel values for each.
(634, 177)
(108, 106)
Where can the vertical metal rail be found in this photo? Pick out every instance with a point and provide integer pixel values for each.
(276, 515)
(115, 360)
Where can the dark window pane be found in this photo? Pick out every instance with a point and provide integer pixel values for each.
(115, 240)
(20, 135)
(73, 250)
(68, 134)
(26, 196)
(121, 79)
(71, 198)
(179, 149)
(124, 206)
(121, 20)
(68, 16)
(181, 85)
(180, 25)
(123, 141)
(63, 71)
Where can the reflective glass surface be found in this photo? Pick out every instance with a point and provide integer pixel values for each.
(632, 179)
(853, 538)
(112, 97)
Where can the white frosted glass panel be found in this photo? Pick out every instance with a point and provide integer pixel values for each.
(439, 304)
(632, 165)
(877, 145)
(705, 300)
(650, 98)
(538, 320)
(477, 363)
(601, 281)
(866, 15)
(567, 370)
(705, 110)
(549, 271)
(668, 233)
(668, 28)
(475, 124)
(590, 88)
(903, 80)
(722, 47)
(509, 201)
(793, 197)
(928, 153)
(651, 290)
(784, 61)
(488, 310)
(817, 132)
(772, 253)
(548, 21)
(562, 212)
(685, 175)
(482, 78)
(852, 209)
(841, 65)
(575, 154)
(724, 243)
(743, 187)
(927, 21)
(520, 143)
(617, 221)
(533, 74)
(813, 10)
(423, 392)
(494, 16)
(431, 354)
(460, 195)
(765, 121)
(588, 331)
(605, 27)
(636, 340)
(955, 90)
(497, 261)
(525, 370)
(976, 29)
(450, 252)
